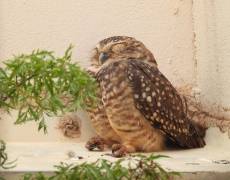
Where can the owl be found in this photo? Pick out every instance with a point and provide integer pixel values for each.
(139, 110)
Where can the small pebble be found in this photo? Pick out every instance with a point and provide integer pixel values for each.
(71, 154)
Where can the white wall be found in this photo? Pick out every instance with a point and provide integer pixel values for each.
(164, 26)
(212, 53)
(189, 39)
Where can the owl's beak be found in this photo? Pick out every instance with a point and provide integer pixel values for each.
(103, 57)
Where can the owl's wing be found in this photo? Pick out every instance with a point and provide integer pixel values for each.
(159, 102)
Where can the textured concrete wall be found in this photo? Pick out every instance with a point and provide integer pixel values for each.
(164, 26)
(212, 53)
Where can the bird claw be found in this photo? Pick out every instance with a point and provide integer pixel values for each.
(95, 143)
(119, 150)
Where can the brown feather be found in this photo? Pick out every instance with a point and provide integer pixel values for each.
(160, 103)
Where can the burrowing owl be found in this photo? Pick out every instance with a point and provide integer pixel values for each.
(139, 109)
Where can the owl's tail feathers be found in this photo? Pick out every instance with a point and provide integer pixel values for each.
(196, 140)
(200, 129)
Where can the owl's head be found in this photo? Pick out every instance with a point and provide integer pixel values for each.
(118, 48)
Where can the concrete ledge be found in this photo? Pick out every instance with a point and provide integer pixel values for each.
(211, 162)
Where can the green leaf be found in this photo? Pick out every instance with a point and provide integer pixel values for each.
(35, 83)
(106, 170)
(4, 162)
(42, 125)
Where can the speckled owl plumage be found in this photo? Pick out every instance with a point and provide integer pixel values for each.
(139, 108)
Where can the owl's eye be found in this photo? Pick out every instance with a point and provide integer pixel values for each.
(118, 47)
(103, 57)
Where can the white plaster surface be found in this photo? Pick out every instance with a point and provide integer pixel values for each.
(34, 157)
(164, 26)
(212, 53)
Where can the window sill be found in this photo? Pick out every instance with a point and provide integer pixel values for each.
(211, 162)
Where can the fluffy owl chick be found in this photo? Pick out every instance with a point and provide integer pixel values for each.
(139, 108)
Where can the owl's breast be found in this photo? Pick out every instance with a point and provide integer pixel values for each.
(118, 100)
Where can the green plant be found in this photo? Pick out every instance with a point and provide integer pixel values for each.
(139, 167)
(40, 84)
(4, 163)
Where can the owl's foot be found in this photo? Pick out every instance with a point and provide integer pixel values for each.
(95, 143)
(119, 150)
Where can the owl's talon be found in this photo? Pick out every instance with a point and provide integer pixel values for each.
(119, 150)
(95, 143)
